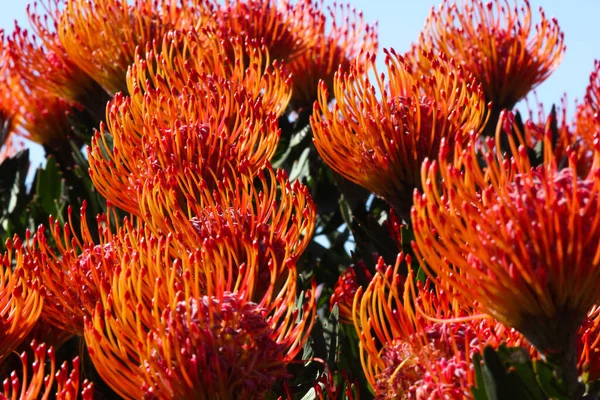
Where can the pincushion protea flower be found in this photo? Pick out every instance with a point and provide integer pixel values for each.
(75, 274)
(101, 37)
(41, 385)
(286, 29)
(41, 61)
(200, 331)
(180, 117)
(380, 140)
(267, 208)
(522, 242)
(20, 298)
(345, 36)
(494, 41)
(415, 343)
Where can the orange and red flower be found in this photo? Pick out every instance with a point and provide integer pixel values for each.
(345, 37)
(202, 330)
(20, 297)
(41, 61)
(416, 343)
(286, 29)
(196, 108)
(377, 134)
(496, 42)
(75, 274)
(40, 385)
(521, 242)
(102, 37)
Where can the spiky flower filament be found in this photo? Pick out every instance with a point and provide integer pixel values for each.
(102, 38)
(20, 298)
(377, 134)
(153, 284)
(171, 62)
(416, 342)
(345, 290)
(496, 42)
(587, 115)
(74, 269)
(287, 30)
(588, 346)
(187, 117)
(41, 61)
(523, 243)
(346, 36)
(267, 208)
(41, 385)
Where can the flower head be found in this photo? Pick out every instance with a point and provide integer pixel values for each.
(41, 61)
(40, 384)
(415, 342)
(266, 208)
(380, 140)
(496, 42)
(196, 108)
(75, 274)
(102, 38)
(522, 242)
(20, 298)
(345, 37)
(587, 116)
(200, 327)
(287, 30)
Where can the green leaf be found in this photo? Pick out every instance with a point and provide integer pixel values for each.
(50, 189)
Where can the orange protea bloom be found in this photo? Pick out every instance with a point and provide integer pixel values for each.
(522, 242)
(287, 30)
(40, 60)
(494, 41)
(75, 274)
(102, 37)
(186, 117)
(200, 332)
(267, 208)
(40, 385)
(334, 49)
(417, 344)
(380, 140)
(20, 298)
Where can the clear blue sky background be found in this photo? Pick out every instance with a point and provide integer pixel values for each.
(401, 20)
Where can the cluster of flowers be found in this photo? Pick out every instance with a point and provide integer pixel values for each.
(194, 294)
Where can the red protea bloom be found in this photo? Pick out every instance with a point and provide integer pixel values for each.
(8, 108)
(75, 275)
(280, 216)
(287, 30)
(40, 60)
(345, 37)
(200, 331)
(20, 298)
(495, 42)
(522, 242)
(380, 140)
(179, 116)
(417, 344)
(40, 385)
(101, 37)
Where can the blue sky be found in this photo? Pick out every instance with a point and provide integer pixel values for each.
(401, 20)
